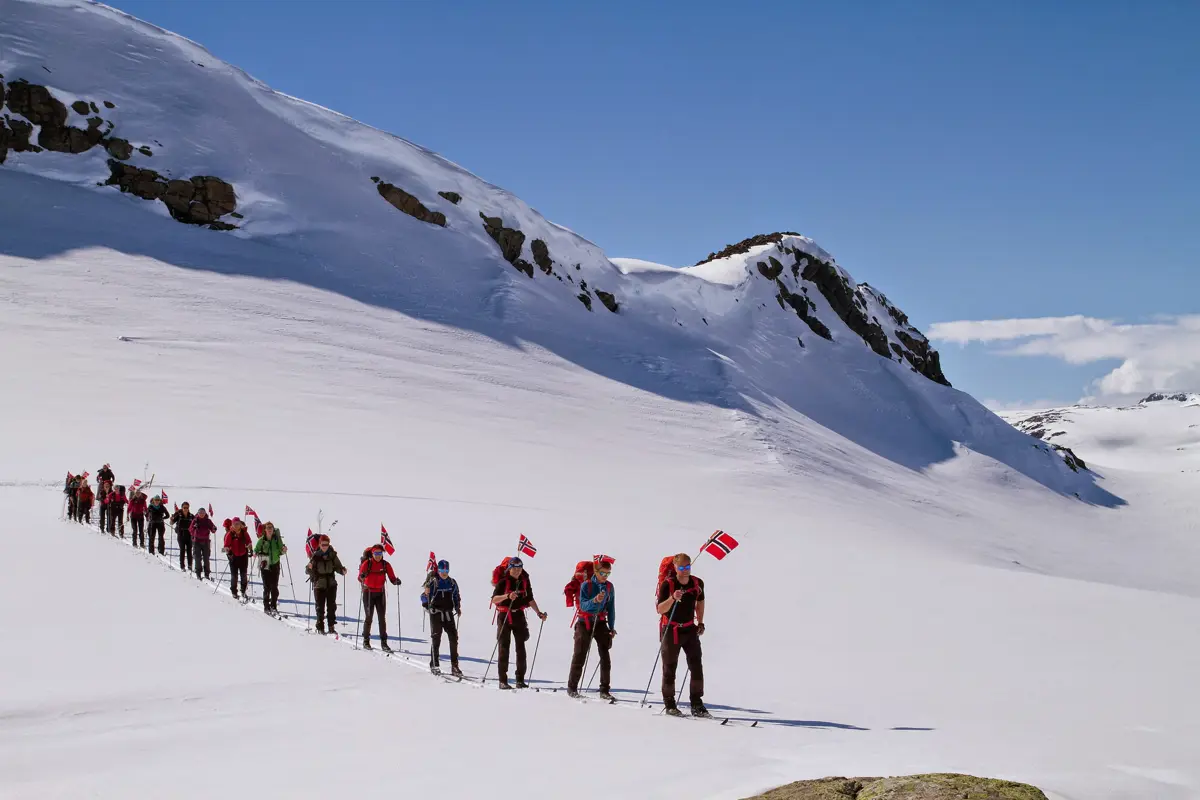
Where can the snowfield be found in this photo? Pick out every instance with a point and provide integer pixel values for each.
(919, 587)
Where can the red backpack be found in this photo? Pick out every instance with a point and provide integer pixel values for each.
(571, 590)
(499, 571)
(666, 570)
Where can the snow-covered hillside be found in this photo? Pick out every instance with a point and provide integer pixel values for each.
(919, 587)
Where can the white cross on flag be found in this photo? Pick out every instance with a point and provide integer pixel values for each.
(720, 544)
(526, 547)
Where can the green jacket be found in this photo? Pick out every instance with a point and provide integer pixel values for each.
(323, 569)
(272, 548)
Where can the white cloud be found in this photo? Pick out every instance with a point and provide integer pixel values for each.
(1154, 356)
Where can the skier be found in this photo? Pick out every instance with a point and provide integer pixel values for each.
(103, 490)
(596, 621)
(323, 569)
(116, 511)
(202, 529)
(440, 596)
(512, 595)
(69, 489)
(158, 515)
(681, 606)
(137, 517)
(269, 549)
(83, 502)
(105, 475)
(371, 574)
(237, 549)
(182, 520)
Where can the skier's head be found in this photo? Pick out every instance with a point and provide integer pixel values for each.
(184, 505)
(268, 529)
(603, 570)
(515, 567)
(324, 542)
(200, 512)
(443, 567)
(156, 500)
(377, 552)
(683, 564)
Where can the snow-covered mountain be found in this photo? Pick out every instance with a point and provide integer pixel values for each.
(919, 587)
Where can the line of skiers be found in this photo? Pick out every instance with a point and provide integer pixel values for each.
(680, 599)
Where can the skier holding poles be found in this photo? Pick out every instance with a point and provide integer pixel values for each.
(237, 547)
(512, 595)
(323, 568)
(595, 621)
(440, 596)
(270, 549)
(158, 514)
(371, 574)
(681, 606)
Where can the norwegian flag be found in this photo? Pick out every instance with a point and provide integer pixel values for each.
(69, 476)
(386, 540)
(525, 547)
(165, 499)
(210, 509)
(250, 512)
(600, 558)
(720, 544)
(136, 484)
(312, 543)
(431, 566)
(84, 475)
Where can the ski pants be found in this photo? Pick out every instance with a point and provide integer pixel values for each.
(185, 549)
(443, 621)
(326, 598)
(157, 527)
(201, 553)
(687, 640)
(85, 512)
(372, 602)
(71, 501)
(511, 627)
(270, 579)
(137, 522)
(600, 634)
(116, 520)
(239, 566)
(103, 517)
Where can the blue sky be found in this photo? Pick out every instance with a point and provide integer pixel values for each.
(975, 161)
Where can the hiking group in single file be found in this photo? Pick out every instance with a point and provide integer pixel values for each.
(679, 598)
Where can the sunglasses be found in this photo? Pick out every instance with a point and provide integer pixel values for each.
(684, 568)
(444, 571)
(603, 574)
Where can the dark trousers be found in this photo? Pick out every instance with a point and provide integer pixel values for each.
(137, 522)
(239, 566)
(71, 505)
(159, 527)
(116, 520)
(372, 602)
(443, 621)
(185, 549)
(689, 642)
(201, 552)
(512, 628)
(326, 605)
(85, 512)
(103, 517)
(270, 579)
(602, 636)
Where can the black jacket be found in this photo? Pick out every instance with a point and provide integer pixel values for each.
(182, 520)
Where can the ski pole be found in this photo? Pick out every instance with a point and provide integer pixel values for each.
(682, 683)
(533, 663)
(288, 562)
(594, 671)
(358, 635)
(658, 655)
(492, 657)
(399, 623)
(225, 569)
(312, 597)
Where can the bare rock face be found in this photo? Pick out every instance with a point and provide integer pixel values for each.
(844, 302)
(541, 256)
(511, 242)
(940, 786)
(453, 197)
(610, 302)
(409, 204)
(202, 200)
(745, 245)
(81, 108)
(119, 149)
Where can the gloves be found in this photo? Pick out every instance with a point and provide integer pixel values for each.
(395, 582)
(542, 616)
(700, 629)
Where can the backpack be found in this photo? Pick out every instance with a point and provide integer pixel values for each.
(498, 572)
(571, 590)
(666, 570)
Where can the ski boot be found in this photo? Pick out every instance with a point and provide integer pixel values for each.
(385, 648)
(367, 644)
(574, 694)
(521, 684)
(456, 672)
(504, 684)
(607, 697)
(320, 629)
(436, 669)
(672, 711)
(698, 710)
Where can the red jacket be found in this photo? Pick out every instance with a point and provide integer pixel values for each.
(137, 507)
(238, 543)
(115, 499)
(372, 573)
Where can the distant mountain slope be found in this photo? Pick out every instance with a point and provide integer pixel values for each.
(186, 159)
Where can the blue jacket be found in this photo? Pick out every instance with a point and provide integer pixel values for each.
(443, 594)
(589, 606)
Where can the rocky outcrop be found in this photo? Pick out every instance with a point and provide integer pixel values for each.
(37, 105)
(511, 242)
(804, 309)
(541, 256)
(610, 302)
(201, 200)
(772, 270)
(586, 299)
(119, 149)
(403, 201)
(1069, 458)
(1158, 397)
(940, 786)
(453, 197)
(845, 303)
(923, 358)
(745, 245)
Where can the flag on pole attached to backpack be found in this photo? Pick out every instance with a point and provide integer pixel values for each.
(525, 547)
(720, 544)
(210, 509)
(432, 565)
(600, 558)
(164, 497)
(312, 543)
(250, 512)
(137, 484)
(386, 540)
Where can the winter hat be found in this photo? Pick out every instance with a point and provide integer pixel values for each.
(377, 548)
(444, 565)
(226, 524)
(201, 510)
(515, 562)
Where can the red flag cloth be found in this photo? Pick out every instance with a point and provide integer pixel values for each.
(312, 543)
(386, 540)
(136, 484)
(165, 499)
(526, 547)
(210, 509)
(600, 558)
(720, 544)
(84, 475)
(250, 512)
(432, 565)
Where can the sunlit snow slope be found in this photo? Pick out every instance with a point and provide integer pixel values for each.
(918, 588)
